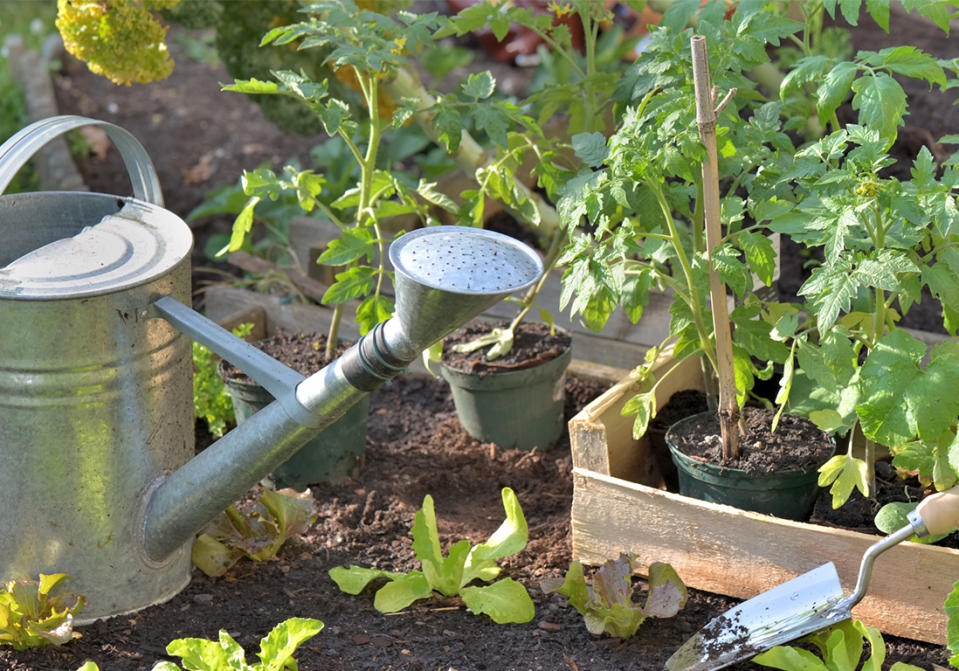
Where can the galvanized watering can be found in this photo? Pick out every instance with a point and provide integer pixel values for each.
(98, 476)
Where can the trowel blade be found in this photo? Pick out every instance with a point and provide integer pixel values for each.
(789, 611)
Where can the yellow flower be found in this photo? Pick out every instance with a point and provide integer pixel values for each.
(560, 12)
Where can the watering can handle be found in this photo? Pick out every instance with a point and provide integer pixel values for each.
(21, 147)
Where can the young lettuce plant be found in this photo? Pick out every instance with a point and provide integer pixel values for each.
(211, 399)
(34, 613)
(840, 647)
(504, 600)
(258, 535)
(607, 605)
(225, 654)
(951, 607)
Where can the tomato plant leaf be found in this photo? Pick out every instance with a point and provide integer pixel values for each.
(881, 103)
(845, 473)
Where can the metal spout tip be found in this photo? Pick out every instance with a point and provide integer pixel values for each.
(446, 275)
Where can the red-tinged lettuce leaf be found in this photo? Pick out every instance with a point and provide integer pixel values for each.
(607, 605)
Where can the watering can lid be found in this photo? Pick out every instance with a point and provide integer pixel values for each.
(133, 246)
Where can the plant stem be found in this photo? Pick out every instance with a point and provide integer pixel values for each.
(333, 333)
(552, 255)
(706, 120)
(694, 301)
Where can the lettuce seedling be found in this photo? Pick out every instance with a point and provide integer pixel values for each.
(211, 399)
(504, 600)
(276, 650)
(607, 605)
(30, 616)
(258, 535)
(951, 606)
(840, 647)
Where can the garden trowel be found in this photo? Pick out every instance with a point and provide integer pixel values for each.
(805, 604)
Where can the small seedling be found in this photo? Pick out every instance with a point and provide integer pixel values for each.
(504, 600)
(607, 605)
(276, 650)
(211, 400)
(840, 647)
(257, 535)
(30, 616)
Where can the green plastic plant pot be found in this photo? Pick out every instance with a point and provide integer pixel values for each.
(514, 409)
(333, 457)
(787, 494)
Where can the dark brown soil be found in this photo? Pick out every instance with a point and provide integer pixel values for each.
(415, 447)
(533, 344)
(303, 352)
(200, 138)
(796, 445)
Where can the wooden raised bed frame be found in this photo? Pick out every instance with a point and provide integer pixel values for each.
(618, 506)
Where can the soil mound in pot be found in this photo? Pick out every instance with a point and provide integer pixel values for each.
(303, 352)
(796, 445)
(533, 344)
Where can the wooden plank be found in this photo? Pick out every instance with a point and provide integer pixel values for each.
(726, 550)
(729, 551)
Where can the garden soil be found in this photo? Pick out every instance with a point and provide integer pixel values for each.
(199, 139)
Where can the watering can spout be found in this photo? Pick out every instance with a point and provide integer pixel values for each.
(445, 276)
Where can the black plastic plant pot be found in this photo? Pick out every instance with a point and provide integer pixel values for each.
(787, 494)
(515, 409)
(333, 457)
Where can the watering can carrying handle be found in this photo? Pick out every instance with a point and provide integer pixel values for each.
(20, 148)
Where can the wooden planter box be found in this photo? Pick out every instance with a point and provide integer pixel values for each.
(619, 506)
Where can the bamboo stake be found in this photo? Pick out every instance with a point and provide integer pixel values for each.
(706, 114)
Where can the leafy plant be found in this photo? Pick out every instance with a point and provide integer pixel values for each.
(951, 607)
(883, 241)
(607, 605)
(31, 22)
(363, 47)
(840, 647)
(257, 534)
(894, 516)
(641, 215)
(225, 654)
(211, 399)
(123, 40)
(35, 612)
(504, 600)
(531, 129)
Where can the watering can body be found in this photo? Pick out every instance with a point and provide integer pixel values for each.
(98, 477)
(95, 398)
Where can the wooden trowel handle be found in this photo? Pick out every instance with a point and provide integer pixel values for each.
(940, 512)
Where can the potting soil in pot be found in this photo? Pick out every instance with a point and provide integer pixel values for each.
(797, 444)
(304, 353)
(533, 344)
(335, 455)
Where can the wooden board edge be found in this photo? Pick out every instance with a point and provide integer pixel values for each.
(724, 550)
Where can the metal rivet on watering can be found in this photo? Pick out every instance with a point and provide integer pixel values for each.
(99, 476)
